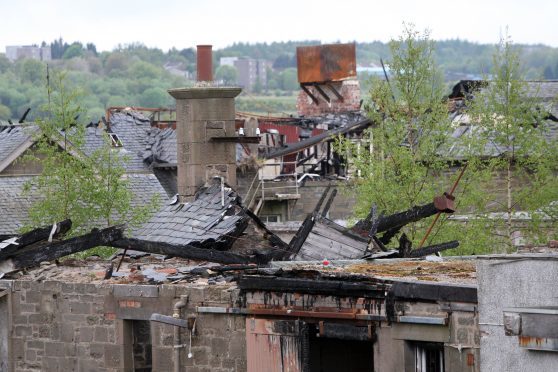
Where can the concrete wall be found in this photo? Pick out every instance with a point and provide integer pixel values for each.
(460, 337)
(4, 334)
(514, 281)
(57, 326)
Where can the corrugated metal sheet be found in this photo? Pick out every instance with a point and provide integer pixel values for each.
(328, 62)
(271, 350)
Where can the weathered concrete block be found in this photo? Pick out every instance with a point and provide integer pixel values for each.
(55, 349)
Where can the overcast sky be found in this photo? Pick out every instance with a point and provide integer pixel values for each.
(182, 24)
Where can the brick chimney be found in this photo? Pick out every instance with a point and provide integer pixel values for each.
(205, 114)
(349, 90)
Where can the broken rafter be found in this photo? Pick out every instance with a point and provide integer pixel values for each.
(35, 236)
(425, 251)
(184, 251)
(33, 256)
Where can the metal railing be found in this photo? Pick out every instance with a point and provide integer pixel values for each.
(283, 181)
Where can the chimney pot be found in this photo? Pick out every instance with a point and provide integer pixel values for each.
(205, 62)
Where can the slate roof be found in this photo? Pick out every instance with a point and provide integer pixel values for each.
(130, 128)
(167, 178)
(160, 147)
(142, 144)
(14, 205)
(12, 137)
(203, 222)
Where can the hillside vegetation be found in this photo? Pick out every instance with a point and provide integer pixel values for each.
(134, 75)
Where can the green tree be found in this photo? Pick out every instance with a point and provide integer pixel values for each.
(74, 50)
(288, 79)
(5, 112)
(154, 97)
(31, 70)
(90, 190)
(508, 117)
(226, 74)
(400, 163)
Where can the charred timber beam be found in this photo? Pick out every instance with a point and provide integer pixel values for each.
(35, 236)
(443, 204)
(300, 237)
(240, 139)
(433, 292)
(397, 220)
(425, 251)
(33, 256)
(184, 251)
(329, 202)
(312, 286)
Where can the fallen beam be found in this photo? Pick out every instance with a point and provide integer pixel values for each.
(33, 256)
(35, 236)
(425, 251)
(184, 251)
(253, 283)
(396, 220)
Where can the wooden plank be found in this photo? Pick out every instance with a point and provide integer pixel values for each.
(330, 234)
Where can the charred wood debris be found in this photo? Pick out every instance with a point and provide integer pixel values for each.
(370, 236)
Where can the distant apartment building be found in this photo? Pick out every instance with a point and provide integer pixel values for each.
(250, 71)
(228, 61)
(15, 52)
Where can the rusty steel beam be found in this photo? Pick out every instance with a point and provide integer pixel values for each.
(335, 92)
(322, 93)
(307, 91)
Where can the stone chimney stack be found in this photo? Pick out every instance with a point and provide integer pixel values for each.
(205, 116)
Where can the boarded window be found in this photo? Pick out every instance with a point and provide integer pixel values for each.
(273, 345)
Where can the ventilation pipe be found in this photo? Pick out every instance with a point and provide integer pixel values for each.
(205, 63)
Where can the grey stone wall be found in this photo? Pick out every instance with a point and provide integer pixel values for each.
(56, 326)
(514, 281)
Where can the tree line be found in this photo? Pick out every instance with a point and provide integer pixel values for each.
(136, 75)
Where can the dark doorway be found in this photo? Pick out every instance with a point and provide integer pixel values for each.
(141, 336)
(340, 355)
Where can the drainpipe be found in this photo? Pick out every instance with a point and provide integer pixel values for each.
(177, 345)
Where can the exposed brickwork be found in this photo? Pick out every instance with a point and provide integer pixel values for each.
(349, 90)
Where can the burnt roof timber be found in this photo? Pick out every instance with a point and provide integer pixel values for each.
(34, 255)
(313, 286)
(184, 251)
(34, 236)
(325, 136)
(401, 290)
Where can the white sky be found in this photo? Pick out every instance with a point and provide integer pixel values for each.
(182, 24)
